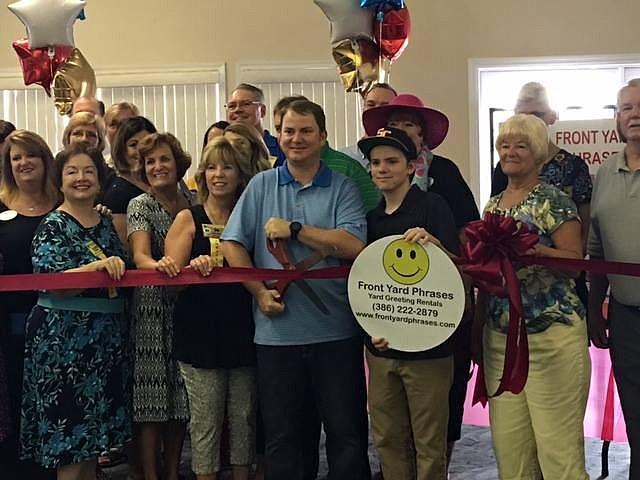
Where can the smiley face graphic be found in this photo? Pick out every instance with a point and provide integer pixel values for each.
(406, 263)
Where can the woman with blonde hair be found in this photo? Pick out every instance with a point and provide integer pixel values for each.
(84, 127)
(540, 430)
(562, 169)
(115, 116)
(88, 129)
(27, 195)
(247, 139)
(215, 351)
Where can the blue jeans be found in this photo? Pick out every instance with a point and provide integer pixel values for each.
(334, 374)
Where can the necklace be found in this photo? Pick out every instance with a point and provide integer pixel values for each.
(30, 206)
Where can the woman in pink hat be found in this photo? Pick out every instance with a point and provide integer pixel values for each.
(428, 128)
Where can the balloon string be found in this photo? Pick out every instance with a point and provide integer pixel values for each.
(51, 51)
(381, 75)
(358, 54)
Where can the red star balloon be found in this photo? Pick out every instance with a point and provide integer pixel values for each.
(39, 65)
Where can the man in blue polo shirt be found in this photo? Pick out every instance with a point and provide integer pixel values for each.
(246, 105)
(311, 209)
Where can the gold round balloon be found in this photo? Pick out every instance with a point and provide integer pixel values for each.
(74, 79)
(357, 61)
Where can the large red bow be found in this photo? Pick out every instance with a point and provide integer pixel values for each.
(493, 244)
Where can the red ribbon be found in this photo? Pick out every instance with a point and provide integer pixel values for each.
(493, 244)
(608, 417)
(137, 278)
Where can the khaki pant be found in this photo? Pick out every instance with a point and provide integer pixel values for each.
(540, 430)
(211, 393)
(409, 407)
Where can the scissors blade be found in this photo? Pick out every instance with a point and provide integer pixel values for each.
(311, 295)
(310, 261)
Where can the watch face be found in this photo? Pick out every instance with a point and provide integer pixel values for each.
(294, 228)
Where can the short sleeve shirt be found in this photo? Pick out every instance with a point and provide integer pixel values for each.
(615, 223)
(548, 296)
(330, 201)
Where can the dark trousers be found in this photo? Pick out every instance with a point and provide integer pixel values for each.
(333, 374)
(624, 343)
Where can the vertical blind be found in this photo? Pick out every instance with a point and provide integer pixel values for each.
(343, 110)
(318, 82)
(183, 103)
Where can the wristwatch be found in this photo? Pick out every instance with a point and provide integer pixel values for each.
(294, 229)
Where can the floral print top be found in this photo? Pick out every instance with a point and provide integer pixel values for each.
(548, 295)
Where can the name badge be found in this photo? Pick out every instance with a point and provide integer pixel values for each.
(213, 233)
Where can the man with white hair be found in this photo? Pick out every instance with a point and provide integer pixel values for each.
(615, 229)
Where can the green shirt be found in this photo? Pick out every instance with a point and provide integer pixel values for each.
(347, 166)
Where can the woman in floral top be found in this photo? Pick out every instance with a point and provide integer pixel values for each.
(539, 431)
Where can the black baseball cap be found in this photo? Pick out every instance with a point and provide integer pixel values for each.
(392, 137)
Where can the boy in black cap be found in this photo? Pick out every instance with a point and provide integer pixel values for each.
(408, 392)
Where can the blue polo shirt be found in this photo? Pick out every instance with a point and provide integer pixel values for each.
(330, 201)
(274, 148)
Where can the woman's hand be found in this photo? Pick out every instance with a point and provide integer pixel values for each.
(202, 264)
(420, 235)
(114, 266)
(380, 343)
(103, 210)
(538, 250)
(168, 266)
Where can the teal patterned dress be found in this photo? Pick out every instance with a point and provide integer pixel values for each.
(548, 295)
(75, 403)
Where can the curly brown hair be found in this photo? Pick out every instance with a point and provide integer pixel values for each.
(149, 143)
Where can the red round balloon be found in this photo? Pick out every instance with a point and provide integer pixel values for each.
(392, 33)
(38, 66)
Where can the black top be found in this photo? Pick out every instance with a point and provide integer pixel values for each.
(15, 247)
(449, 183)
(213, 323)
(118, 195)
(418, 209)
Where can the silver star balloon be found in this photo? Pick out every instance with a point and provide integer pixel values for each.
(49, 22)
(348, 20)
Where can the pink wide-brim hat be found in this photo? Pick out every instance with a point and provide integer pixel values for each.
(436, 123)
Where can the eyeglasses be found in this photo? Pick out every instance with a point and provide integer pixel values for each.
(243, 104)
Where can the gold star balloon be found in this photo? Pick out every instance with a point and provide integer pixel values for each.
(357, 62)
(74, 79)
